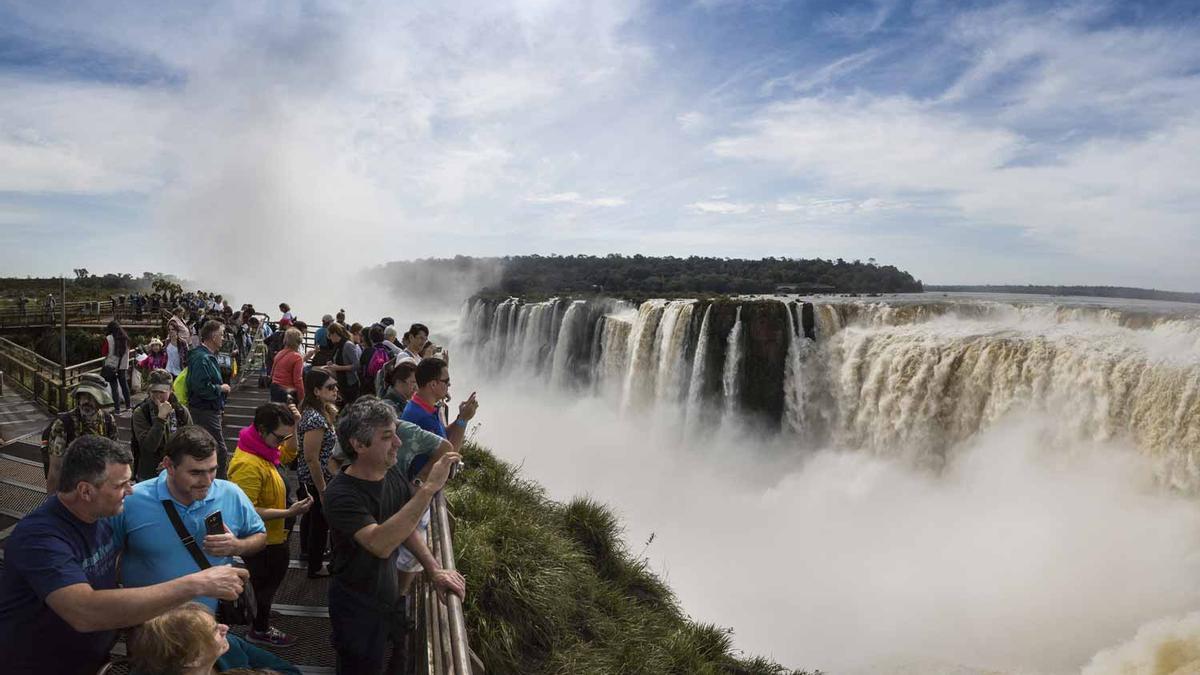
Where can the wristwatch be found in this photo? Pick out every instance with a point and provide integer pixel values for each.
(417, 482)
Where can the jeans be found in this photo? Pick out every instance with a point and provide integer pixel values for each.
(121, 377)
(314, 532)
(267, 569)
(363, 631)
(211, 421)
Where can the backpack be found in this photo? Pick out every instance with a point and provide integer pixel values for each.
(378, 360)
(68, 420)
(179, 386)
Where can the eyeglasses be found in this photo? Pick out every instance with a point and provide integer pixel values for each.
(330, 387)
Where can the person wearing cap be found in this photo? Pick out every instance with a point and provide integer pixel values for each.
(87, 418)
(155, 420)
(322, 336)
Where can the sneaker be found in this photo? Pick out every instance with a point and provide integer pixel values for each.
(273, 637)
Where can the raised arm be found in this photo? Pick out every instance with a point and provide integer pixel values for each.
(383, 538)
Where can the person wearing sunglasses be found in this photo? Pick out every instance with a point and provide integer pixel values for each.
(262, 447)
(316, 436)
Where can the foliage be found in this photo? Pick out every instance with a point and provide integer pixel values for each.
(554, 590)
(638, 275)
(88, 287)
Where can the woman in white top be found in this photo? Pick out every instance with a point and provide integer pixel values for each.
(116, 363)
(178, 337)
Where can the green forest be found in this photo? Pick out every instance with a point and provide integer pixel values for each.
(613, 274)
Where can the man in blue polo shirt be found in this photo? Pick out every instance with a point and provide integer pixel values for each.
(153, 551)
(433, 386)
(59, 601)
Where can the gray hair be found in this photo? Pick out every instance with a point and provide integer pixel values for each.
(361, 421)
(87, 459)
(389, 333)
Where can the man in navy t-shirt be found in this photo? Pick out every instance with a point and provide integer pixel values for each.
(59, 601)
(433, 385)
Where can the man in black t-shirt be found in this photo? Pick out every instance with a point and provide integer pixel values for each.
(372, 510)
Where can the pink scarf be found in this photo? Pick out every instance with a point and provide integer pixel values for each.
(249, 440)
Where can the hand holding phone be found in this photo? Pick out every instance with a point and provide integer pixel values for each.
(220, 541)
(214, 524)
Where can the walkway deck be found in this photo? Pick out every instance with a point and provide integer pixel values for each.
(301, 603)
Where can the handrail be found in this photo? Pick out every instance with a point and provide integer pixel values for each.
(26, 352)
(44, 380)
(442, 629)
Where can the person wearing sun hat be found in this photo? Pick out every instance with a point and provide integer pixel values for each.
(88, 417)
(154, 421)
(156, 356)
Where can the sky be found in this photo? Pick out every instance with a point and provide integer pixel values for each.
(966, 142)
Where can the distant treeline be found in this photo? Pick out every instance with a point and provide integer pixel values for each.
(533, 275)
(1087, 291)
(82, 286)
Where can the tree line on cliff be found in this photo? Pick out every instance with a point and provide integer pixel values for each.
(532, 275)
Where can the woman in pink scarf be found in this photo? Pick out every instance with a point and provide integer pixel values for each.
(261, 448)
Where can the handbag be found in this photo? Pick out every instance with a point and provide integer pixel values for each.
(239, 612)
(108, 372)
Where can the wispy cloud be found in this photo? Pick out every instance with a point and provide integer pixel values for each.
(963, 137)
(723, 208)
(575, 198)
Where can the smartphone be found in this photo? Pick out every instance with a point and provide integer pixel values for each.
(214, 524)
(291, 400)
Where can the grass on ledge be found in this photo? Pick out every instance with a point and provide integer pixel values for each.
(553, 589)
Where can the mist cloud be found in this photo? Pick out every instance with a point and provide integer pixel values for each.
(1027, 555)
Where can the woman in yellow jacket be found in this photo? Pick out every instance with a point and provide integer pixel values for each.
(261, 448)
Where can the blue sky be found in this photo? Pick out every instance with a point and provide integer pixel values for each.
(964, 141)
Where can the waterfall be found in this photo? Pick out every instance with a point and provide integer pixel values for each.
(671, 348)
(699, 370)
(911, 378)
(613, 362)
(733, 362)
(572, 331)
(639, 378)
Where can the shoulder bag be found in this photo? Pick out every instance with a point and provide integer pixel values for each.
(238, 612)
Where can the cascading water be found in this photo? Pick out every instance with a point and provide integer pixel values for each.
(695, 399)
(733, 363)
(671, 352)
(912, 377)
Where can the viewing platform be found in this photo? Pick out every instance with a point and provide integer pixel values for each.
(438, 645)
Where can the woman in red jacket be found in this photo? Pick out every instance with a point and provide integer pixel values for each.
(287, 370)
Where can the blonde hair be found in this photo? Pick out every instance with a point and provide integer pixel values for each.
(292, 338)
(175, 640)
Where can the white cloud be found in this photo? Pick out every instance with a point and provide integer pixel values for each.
(692, 121)
(1075, 140)
(722, 207)
(575, 198)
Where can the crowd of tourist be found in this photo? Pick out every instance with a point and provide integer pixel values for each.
(143, 536)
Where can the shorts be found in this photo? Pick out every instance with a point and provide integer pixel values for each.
(405, 560)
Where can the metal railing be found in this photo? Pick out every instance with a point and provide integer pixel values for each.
(43, 380)
(79, 313)
(441, 636)
(37, 376)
